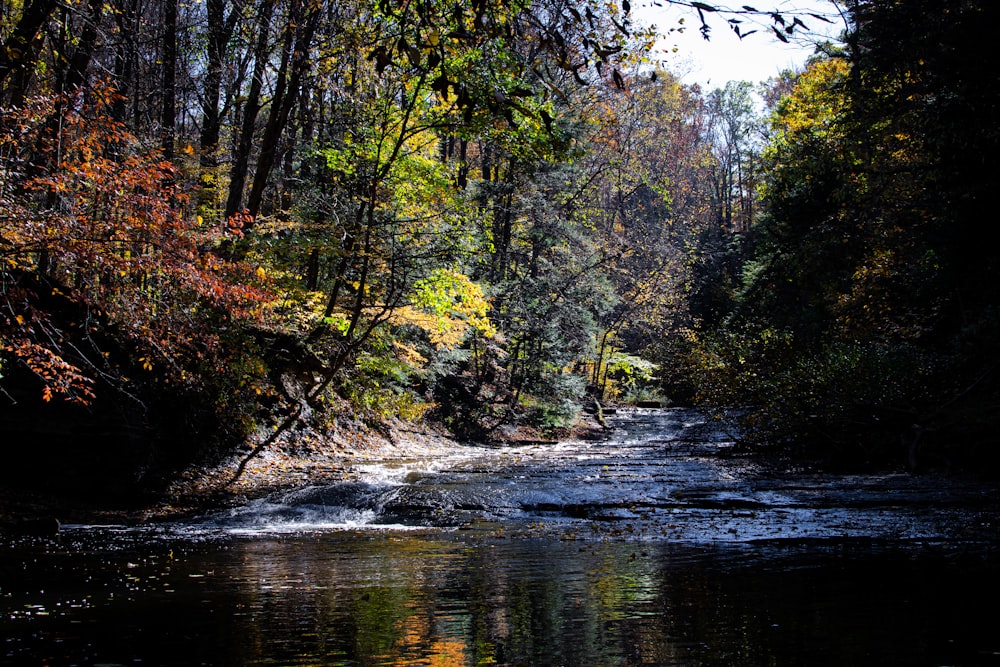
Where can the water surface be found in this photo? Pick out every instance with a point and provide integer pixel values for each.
(655, 547)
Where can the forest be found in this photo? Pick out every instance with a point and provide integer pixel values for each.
(225, 223)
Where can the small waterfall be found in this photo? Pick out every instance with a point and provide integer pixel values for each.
(348, 505)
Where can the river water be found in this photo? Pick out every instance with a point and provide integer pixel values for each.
(656, 546)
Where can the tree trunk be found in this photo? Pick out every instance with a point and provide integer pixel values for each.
(219, 32)
(126, 12)
(241, 160)
(75, 73)
(294, 62)
(168, 113)
(19, 50)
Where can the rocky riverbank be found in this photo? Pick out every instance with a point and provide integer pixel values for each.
(299, 458)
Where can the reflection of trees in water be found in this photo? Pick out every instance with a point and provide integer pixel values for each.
(305, 604)
(402, 599)
(562, 604)
(399, 600)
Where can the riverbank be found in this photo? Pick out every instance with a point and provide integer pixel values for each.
(309, 458)
(301, 457)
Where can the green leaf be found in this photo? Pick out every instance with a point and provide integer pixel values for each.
(338, 322)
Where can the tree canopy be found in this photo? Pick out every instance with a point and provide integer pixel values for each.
(490, 213)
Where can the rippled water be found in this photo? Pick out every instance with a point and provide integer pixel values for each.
(657, 546)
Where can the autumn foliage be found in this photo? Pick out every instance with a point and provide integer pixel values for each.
(97, 243)
(491, 214)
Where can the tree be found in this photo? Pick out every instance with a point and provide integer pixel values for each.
(425, 95)
(251, 108)
(738, 138)
(20, 49)
(93, 223)
(362, 157)
(870, 300)
(650, 202)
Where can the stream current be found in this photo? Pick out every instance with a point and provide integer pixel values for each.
(658, 545)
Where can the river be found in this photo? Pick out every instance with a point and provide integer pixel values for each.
(658, 545)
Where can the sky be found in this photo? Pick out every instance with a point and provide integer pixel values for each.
(725, 57)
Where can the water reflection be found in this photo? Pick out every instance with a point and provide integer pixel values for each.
(445, 599)
(690, 557)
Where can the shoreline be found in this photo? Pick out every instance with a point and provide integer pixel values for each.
(301, 458)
